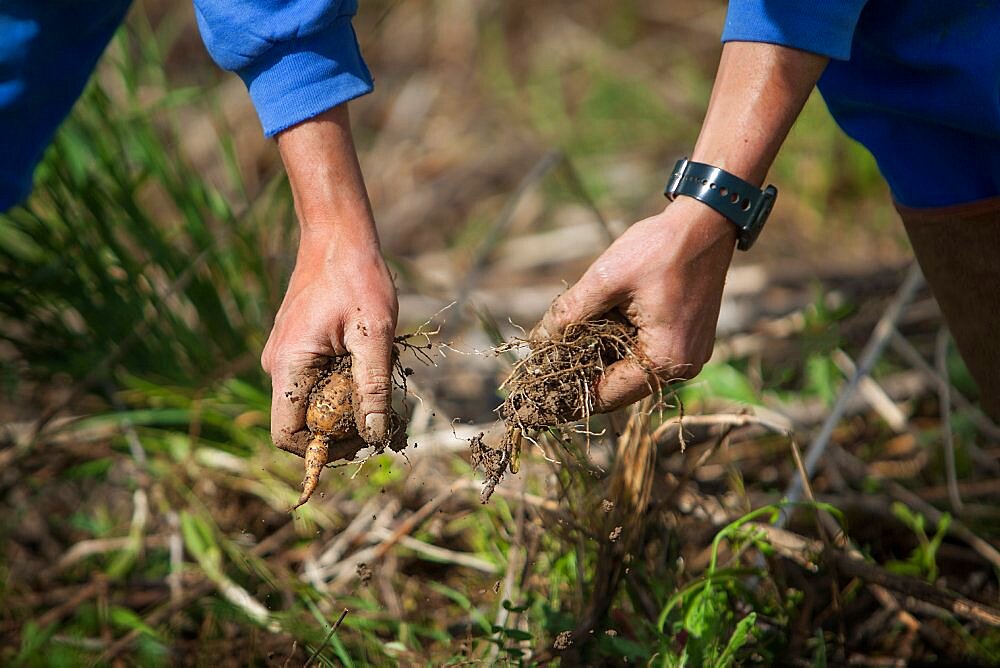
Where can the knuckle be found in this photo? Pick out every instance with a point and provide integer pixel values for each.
(373, 328)
(562, 309)
(602, 278)
(676, 363)
(375, 384)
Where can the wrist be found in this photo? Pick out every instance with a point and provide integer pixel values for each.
(700, 223)
(335, 240)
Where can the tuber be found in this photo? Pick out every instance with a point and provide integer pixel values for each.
(329, 418)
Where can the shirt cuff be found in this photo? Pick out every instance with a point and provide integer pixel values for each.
(825, 28)
(296, 80)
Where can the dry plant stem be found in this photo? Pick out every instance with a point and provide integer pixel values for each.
(516, 554)
(631, 486)
(873, 393)
(499, 227)
(326, 640)
(858, 470)
(821, 530)
(980, 419)
(944, 401)
(869, 356)
(278, 537)
(805, 551)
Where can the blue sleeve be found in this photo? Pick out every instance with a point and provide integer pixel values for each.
(298, 58)
(825, 27)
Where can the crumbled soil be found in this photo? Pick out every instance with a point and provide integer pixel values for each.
(494, 463)
(553, 385)
(365, 573)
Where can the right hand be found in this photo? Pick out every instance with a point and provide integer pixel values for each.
(340, 299)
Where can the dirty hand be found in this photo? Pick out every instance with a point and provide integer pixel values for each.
(665, 275)
(340, 298)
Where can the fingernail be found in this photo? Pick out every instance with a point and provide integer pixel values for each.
(377, 423)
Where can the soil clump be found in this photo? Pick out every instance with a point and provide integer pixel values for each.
(554, 384)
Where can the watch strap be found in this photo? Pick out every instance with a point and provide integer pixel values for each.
(742, 203)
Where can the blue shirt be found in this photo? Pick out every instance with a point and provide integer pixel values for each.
(298, 58)
(916, 82)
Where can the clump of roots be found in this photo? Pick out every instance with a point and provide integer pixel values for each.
(331, 411)
(552, 385)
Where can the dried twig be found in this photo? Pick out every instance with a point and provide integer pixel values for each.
(326, 640)
(804, 550)
(858, 470)
(869, 356)
(944, 394)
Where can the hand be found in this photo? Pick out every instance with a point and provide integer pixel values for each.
(339, 300)
(665, 275)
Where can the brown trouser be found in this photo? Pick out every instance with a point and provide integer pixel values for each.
(958, 248)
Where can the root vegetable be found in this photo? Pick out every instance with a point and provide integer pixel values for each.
(330, 418)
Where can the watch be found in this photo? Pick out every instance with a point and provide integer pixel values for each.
(742, 203)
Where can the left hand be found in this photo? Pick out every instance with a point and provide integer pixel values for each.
(665, 275)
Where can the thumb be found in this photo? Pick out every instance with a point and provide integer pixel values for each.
(371, 365)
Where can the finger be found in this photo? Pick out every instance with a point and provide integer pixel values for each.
(591, 297)
(291, 383)
(630, 380)
(371, 348)
(623, 383)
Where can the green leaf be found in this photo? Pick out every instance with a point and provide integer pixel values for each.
(33, 640)
(508, 605)
(736, 642)
(720, 381)
(123, 618)
(517, 634)
(819, 656)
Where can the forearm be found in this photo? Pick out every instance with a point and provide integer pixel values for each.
(327, 186)
(758, 93)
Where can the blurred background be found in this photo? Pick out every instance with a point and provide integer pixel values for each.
(144, 517)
